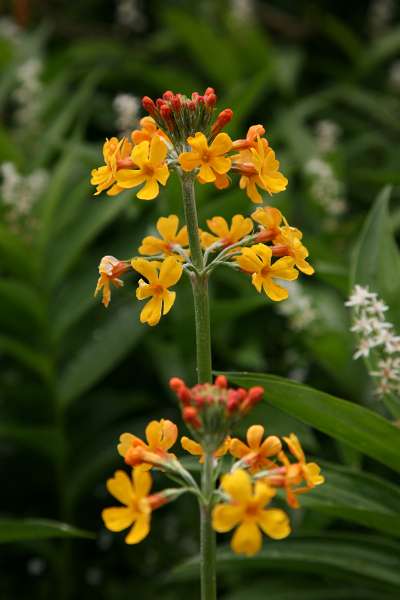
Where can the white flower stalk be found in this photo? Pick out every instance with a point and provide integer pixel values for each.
(298, 307)
(27, 94)
(325, 188)
(10, 31)
(126, 107)
(394, 76)
(378, 343)
(129, 15)
(243, 11)
(327, 134)
(19, 194)
(380, 16)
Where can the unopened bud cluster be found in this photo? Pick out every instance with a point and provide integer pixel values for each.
(181, 117)
(210, 410)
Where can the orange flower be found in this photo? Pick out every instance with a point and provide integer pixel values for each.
(149, 158)
(115, 152)
(257, 260)
(167, 227)
(253, 134)
(259, 167)
(289, 243)
(257, 452)
(196, 449)
(210, 159)
(109, 268)
(240, 227)
(270, 218)
(148, 130)
(296, 473)
(160, 436)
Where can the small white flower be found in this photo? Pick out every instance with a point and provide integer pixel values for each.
(363, 349)
(126, 107)
(361, 296)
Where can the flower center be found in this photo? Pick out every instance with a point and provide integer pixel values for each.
(157, 289)
(264, 272)
(252, 510)
(205, 157)
(148, 170)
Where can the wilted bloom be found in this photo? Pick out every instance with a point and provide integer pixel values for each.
(110, 268)
(137, 504)
(225, 235)
(256, 453)
(196, 449)
(152, 169)
(167, 227)
(115, 152)
(246, 511)
(160, 436)
(257, 260)
(159, 279)
(211, 160)
(259, 167)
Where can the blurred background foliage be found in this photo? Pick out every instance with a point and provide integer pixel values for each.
(324, 79)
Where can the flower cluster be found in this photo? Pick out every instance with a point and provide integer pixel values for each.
(184, 134)
(210, 410)
(261, 467)
(264, 247)
(378, 342)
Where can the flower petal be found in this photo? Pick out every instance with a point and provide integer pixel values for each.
(189, 160)
(274, 522)
(191, 446)
(140, 530)
(142, 482)
(118, 518)
(167, 227)
(238, 449)
(221, 144)
(151, 312)
(169, 433)
(254, 436)
(129, 178)
(146, 268)
(247, 539)
(170, 272)
(237, 485)
(226, 516)
(149, 191)
(120, 487)
(274, 291)
(168, 301)
(154, 434)
(158, 150)
(271, 446)
(218, 226)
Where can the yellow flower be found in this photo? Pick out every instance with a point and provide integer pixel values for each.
(133, 494)
(196, 449)
(167, 227)
(149, 157)
(259, 167)
(296, 473)
(109, 268)
(210, 159)
(270, 218)
(148, 130)
(257, 260)
(160, 436)
(240, 227)
(246, 510)
(159, 279)
(116, 153)
(257, 452)
(290, 240)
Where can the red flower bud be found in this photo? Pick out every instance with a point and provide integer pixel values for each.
(176, 102)
(210, 100)
(148, 105)
(159, 103)
(221, 381)
(255, 394)
(175, 384)
(168, 95)
(209, 90)
(191, 105)
(223, 118)
(190, 415)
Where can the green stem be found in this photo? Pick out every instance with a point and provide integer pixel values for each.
(199, 280)
(207, 534)
(199, 283)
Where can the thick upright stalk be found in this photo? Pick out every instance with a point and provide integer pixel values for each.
(207, 534)
(199, 283)
(204, 375)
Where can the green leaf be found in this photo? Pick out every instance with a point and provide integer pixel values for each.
(376, 259)
(15, 530)
(365, 558)
(31, 359)
(359, 427)
(21, 299)
(358, 497)
(109, 344)
(298, 590)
